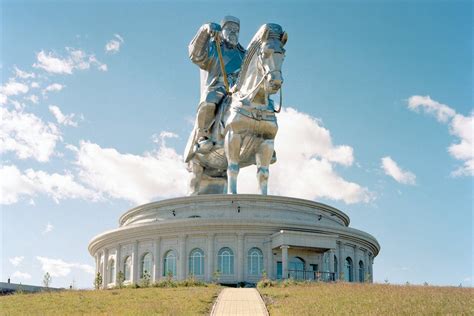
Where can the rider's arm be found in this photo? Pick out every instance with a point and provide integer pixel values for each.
(199, 46)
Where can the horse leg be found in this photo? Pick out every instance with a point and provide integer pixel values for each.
(232, 151)
(263, 158)
(196, 176)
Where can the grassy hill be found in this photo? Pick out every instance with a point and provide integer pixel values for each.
(282, 299)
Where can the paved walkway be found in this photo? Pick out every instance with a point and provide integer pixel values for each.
(243, 301)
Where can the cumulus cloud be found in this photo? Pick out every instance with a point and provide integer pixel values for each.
(3, 99)
(33, 98)
(31, 183)
(391, 168)
(60, 268)
(306, 162)
(55, 87)
(27, 135)
(113, 46)
(442, 112)
(23, 74)
(13, 87)
(49, 228)
(15, 261)
(67, 120)
(76, 59)
(460, 126)
(35, 84)
(137, 178)
(20, 275)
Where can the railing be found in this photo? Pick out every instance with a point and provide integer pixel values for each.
(311, 275)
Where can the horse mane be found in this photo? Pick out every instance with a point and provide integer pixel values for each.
(266, 31)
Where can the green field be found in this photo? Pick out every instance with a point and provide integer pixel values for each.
(282, 299)
(367, 299)
(148, 301)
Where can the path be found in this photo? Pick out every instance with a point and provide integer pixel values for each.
(240, 301)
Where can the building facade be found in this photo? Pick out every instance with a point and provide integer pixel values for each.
(232, 239)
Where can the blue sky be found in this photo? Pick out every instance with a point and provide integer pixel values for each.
(98, 99)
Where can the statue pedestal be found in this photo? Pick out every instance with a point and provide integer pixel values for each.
(234, 238)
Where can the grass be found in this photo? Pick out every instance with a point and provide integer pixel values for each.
(127, 301)
(366, 299)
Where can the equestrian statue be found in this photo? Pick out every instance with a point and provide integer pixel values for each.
(235, 122)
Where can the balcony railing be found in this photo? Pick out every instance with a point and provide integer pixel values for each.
(310, 275)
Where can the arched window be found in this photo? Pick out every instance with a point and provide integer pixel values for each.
(112, 271)
(146, 265)
(361, 271)
(196, 262)
(169, 264)
(335, 266)
(296, 268)
(348, 274)
(225, 261)
(127, 268)
(255, 262)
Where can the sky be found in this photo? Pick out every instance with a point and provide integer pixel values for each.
(97, 100)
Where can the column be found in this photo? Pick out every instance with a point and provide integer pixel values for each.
(135, 274)
(341, 260)
(181, 257)
(371, 261)
(97, 263)
(331, 265)
(118, 262)
(210, 257)
(284, 261)
(366, 264)
(156, 260)
(356, 264)
(269, 265)
(240, 257)
(105, 268)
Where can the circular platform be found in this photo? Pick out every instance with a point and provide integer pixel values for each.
(234, 238)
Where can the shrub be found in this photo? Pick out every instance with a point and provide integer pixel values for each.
(145, 280)
(98, 281)
(120, 279)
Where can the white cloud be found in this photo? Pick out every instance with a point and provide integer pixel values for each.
(49, 228)
(13, 87)
(20, 275)
(27, 135)
(75, 60)
(60, 268)
(55, 87)
(113, 46)
(67, 120)
(463, 128)
(441, 111)
(23, 74)
(31, 183)
(306, 160)
(3, 99)
(15, 261)
(460, 126)
(33, 98)
(35, 84)
(391, 169)
(136, 178)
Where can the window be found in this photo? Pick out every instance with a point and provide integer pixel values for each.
(348, 275)
(225, 261)
(127, 267)
(146, 265)
(361, 271)
(112, 271)
(255, 262)
(196, 262)
(169, 264)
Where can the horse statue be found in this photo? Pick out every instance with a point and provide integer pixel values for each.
(245, 125)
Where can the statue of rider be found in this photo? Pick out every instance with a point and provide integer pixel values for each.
(203, 51)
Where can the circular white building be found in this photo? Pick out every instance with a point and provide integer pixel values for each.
(233, 239)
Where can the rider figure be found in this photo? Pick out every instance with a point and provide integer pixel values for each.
(203, 52)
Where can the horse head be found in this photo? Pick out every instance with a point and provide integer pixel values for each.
(261, 69)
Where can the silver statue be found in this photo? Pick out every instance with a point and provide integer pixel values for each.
(235, 129)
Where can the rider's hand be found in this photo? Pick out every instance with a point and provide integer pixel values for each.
(214, 29)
